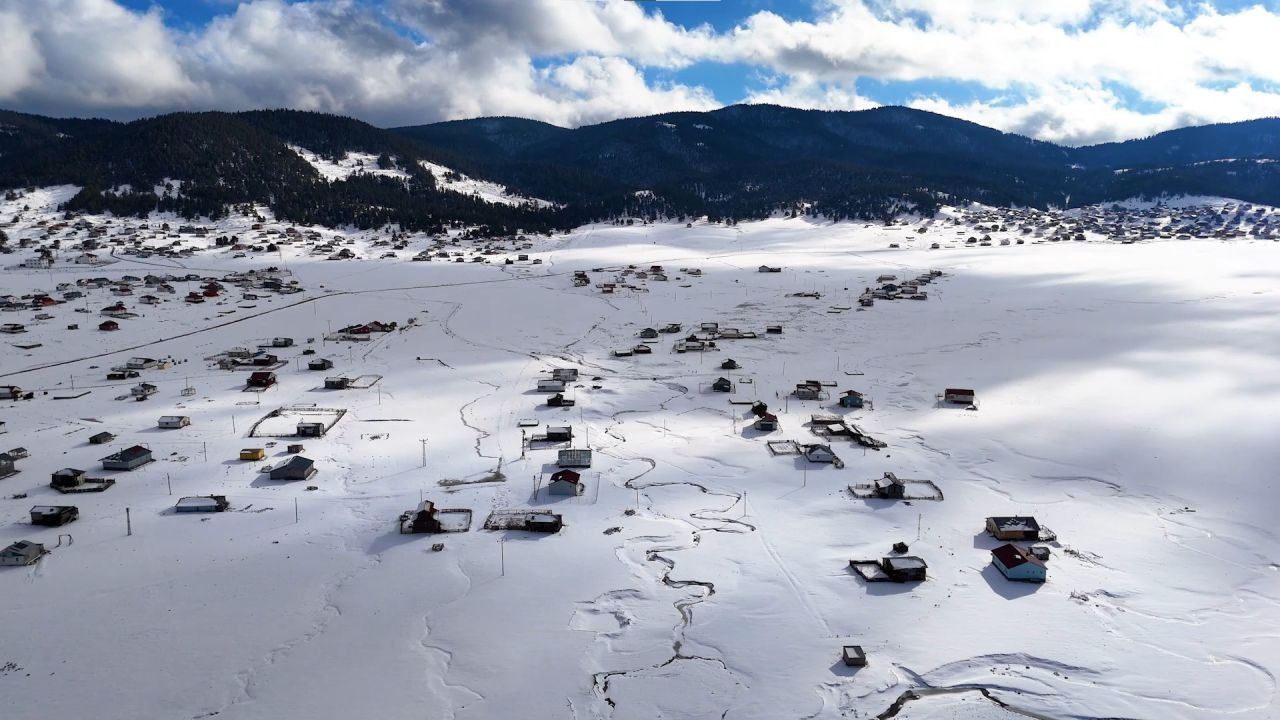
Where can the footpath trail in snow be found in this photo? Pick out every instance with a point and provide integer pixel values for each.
(698, 575)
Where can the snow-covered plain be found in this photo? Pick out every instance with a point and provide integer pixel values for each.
(1127, 399)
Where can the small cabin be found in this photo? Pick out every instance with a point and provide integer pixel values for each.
(281, 342)
(648, 334)
(730, 364)
(559, 400)
(773, 329)
(6, 465)
(127, 459)
(766, 423)
(551, 385)
(890, 487)
(1013, 528)
(722, 385)
(1017, 563)
(565, 374)
(256, 453)
(309, 429)
(559, 433)
(108, 326)
(261, 379)
(566, 482)
(854, 656)
(425, 519)
(54, 515)
(101, 438)
(959, 396)
(904, 568)
(173, 422)
(543, 522)
(23, 552)
(851, 399)
(296, 468)
(320, 364)
(68, 478)
(202, 504)
(819, 454)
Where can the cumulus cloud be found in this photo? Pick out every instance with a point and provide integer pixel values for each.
(1073, 71)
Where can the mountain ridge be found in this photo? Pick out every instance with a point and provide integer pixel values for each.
(736, 162)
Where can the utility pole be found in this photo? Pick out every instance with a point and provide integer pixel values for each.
(424, 451)
(168, 481)
(502, 556)
(128, 522)
(295, 510)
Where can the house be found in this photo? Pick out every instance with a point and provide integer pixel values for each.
(854, 656)
(565, 482)
(22, 552)
(1017, 563)
(729, 364)
(13, 328)
(904, 568)
(722, 385)
(337, 383)
(426, 519)
(890, 487)
(1013, 528)
(574, 459)
(142, 391)
(851, 399)
(251, 454)
(310, 429)
(559, 400)
(553, 385)
(202, 504)
(320, 364)
(297, 468)
(108, 326)
(54, 515)
(68, 478)
(759, 408)
(767, 422)
(648, 334)
(173, 422)
(264, 360)
(6, 465)
(958, 396)
(282, 342)
(565, 374)
(559, 433)
(101, 438)
(819, 453)
(10, 392)
(261, 379)
(543, 522)
(808, 391)
(127, 459)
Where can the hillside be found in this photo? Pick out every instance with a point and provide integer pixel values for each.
(739, 162)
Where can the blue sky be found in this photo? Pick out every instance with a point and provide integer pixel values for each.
(1069, 71)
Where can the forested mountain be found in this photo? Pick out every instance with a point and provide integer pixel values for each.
(742, 161)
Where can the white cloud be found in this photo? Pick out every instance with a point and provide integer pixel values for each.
(1071, 71)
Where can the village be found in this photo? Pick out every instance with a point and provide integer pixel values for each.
(646, 435)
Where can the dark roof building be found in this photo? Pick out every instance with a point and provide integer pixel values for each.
(297, 468)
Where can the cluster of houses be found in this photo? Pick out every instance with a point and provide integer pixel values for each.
(1117, 223)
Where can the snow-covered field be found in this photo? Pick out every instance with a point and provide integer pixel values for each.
(1127, 400)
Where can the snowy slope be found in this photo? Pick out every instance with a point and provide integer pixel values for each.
(449, 179)
(1125, 401)
(352, 163)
